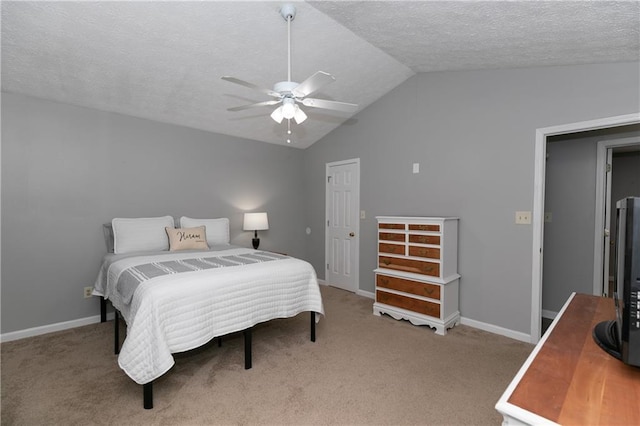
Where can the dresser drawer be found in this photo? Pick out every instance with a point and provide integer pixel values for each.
(415, 305)
(410, 265)
(391, 248)
(389, 236)
(416, 227)
(428, 252)
(431, 291)
(391, 226)
(425, 239)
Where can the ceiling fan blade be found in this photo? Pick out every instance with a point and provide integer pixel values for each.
(257, 104)
(251, 86)
(313, 84)
(323, 103)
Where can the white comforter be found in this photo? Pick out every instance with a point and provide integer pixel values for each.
(178, 312)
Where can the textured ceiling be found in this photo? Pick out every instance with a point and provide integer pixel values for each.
(164, 60)
(458, 35)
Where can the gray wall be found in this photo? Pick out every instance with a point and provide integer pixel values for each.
(67, 170)
(64, 173)
(473, 133)
(570, 197)
(625, 181)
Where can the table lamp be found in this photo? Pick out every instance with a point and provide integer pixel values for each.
(255, 222)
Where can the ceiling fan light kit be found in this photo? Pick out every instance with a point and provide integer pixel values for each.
(290, 93)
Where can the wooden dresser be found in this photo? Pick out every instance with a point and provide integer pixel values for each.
(568, 379)
(417, 278)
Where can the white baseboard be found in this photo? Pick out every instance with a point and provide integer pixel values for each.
(359, 292)
(66, 325)
(37, 331)
(549, 314)
(517, 335)
(523, 337)
(364, 293)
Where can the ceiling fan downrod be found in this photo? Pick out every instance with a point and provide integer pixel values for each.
(288, 12)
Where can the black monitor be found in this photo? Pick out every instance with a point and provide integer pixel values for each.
(620, 337)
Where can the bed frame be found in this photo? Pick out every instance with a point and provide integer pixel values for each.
(147, 388)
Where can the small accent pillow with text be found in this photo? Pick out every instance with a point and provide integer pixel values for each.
(187, 238)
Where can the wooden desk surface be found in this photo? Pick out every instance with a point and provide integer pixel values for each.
(572, 381)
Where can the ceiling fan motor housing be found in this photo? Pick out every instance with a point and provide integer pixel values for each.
(285, 87)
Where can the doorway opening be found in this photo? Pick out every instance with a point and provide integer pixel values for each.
(538, 201)
(618, 176)
(570, 206)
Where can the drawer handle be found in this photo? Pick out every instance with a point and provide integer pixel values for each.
(384, 281)
(429, 290)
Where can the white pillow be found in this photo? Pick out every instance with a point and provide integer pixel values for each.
(217, 229)
(140, 234)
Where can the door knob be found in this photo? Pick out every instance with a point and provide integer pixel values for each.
(352, 234)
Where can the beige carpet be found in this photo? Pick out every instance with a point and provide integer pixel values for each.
(362, 369)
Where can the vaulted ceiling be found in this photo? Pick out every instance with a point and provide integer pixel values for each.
(164, 60)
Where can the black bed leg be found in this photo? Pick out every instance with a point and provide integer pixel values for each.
(247, 349)
(103, 309)
(147, 395)
(313, 326)
(116, 333)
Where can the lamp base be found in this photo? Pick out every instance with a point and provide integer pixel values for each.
(255, 242)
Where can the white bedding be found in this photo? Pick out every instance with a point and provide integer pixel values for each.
(178, 312)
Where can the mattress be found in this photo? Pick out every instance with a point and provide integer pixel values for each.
(198, 296)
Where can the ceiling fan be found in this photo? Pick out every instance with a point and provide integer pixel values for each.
(289, 93)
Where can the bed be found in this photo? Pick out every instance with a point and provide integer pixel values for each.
(177, 300)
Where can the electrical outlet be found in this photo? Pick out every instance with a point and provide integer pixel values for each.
(523, 218)
(87, 292)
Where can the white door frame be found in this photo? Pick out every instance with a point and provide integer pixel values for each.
(602, 198)
(356, 240)
(538, 200)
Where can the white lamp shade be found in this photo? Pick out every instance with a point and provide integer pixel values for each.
(277, 115)
(255, 221)
(288, 108)
(300, 116)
